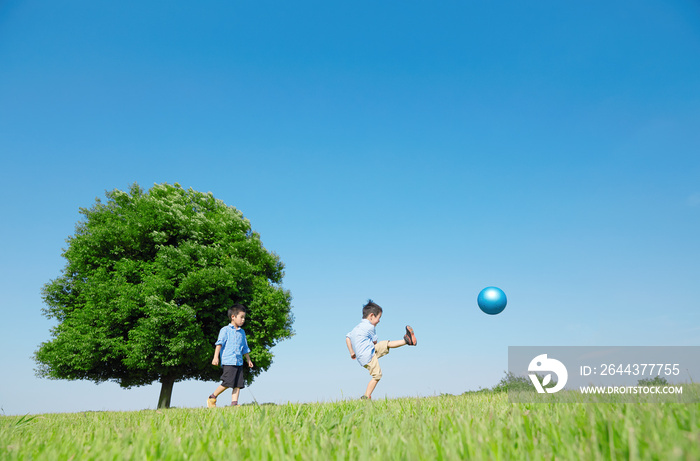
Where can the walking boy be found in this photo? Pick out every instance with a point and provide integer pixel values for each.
(362, 344)
(232, 346)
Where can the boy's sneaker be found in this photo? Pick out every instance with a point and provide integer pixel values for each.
(364, 397)
(410, 337)
(211, 403)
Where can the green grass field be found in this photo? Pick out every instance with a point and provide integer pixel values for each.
(471, 426)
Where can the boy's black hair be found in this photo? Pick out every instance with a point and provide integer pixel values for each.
(235, 309)
(370, 308)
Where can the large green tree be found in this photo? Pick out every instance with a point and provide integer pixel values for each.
(148, 280)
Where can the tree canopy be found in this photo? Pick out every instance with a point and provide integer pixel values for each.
(148, 280)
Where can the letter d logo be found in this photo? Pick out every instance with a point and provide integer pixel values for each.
(542, 364)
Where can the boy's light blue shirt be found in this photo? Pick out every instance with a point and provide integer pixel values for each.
(362, 338)
(233, 345)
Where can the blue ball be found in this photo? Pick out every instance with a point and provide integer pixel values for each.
(492, 300)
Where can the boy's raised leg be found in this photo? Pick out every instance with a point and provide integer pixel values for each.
(408, 339)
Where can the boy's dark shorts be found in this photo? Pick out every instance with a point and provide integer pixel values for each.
(233, 376)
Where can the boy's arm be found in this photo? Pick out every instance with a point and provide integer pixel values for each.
(217, 351)
(352, 353)
(246, 350)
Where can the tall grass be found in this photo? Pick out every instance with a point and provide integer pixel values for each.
(471, 426)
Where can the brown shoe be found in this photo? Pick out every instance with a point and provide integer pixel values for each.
(211, 403)
(410, 337)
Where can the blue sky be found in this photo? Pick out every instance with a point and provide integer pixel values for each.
(408, 152)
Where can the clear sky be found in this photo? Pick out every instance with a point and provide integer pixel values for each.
(411, 152)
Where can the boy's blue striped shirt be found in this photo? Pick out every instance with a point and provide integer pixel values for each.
(363, 337)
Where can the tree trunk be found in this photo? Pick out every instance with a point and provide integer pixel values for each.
(166, 391)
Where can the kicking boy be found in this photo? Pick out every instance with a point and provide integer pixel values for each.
(362, 344)
(233, 346)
